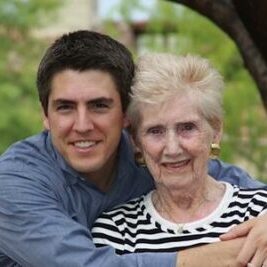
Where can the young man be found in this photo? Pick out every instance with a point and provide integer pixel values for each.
(55, 184)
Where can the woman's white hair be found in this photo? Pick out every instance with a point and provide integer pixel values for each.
(160, 76)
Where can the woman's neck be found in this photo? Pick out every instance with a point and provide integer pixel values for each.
(187, 205)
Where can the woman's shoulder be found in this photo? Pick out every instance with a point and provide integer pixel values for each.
(128, 211)
(131, 206)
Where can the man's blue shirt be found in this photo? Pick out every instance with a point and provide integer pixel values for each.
(47, 208)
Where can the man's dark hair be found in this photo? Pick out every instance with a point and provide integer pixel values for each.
(86, 50)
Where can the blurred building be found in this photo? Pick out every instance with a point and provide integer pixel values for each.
(73, 15)
(85, 14)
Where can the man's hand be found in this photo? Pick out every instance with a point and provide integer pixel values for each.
(220, 254)
(254, 250)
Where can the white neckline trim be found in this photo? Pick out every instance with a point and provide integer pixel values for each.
(220, 209)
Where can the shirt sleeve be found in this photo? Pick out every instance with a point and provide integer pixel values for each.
(232, 174)
(35, 231)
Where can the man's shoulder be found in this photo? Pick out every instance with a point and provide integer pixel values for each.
(31, 158)
(29, 169)
(233, 174)
(29, 151)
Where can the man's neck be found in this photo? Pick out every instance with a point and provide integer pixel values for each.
(104, 178)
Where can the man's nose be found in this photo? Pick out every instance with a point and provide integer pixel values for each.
(83, 121)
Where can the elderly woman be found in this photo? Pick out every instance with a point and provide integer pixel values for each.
(176, 123)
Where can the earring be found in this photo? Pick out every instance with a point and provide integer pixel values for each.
(139, 159)
(215, 150)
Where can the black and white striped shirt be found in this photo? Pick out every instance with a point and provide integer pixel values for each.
(137, 227)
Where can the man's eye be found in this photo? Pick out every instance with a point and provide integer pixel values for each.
(99, 106)
(63, 107)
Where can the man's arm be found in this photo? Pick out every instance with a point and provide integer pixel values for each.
(232, 174)
(36, 231)
(254, 249)
(220, 254)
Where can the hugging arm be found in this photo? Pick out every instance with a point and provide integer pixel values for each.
(254, 250)
(36, 231)
(232, 174)
(220, 254)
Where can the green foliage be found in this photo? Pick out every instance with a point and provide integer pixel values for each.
(22, 14)
(125, 10)
(174, 28)
(19, 56)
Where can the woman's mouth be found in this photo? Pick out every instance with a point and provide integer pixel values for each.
(176, 165)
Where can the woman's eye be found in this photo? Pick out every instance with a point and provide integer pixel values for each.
(188, 127)
(155, 131)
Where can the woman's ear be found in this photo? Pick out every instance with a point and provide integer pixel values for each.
(138, 155)
(134, 143)
(218, 132)
(126, 121)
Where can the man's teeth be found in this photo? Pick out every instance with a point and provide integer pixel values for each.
(84, 144)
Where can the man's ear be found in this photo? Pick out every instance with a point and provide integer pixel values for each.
(45, 120)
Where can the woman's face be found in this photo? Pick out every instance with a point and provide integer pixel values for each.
(175, 140)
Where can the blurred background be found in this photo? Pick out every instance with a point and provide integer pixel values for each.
(27, 27)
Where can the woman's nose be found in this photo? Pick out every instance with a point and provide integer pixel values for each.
(172, 144)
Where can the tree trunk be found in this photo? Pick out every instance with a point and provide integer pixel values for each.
(224, 15)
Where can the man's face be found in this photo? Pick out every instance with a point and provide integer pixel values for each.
(85, 119)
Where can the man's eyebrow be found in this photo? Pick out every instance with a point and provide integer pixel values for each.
(62, 101)
(94, 100)
(105, 100)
